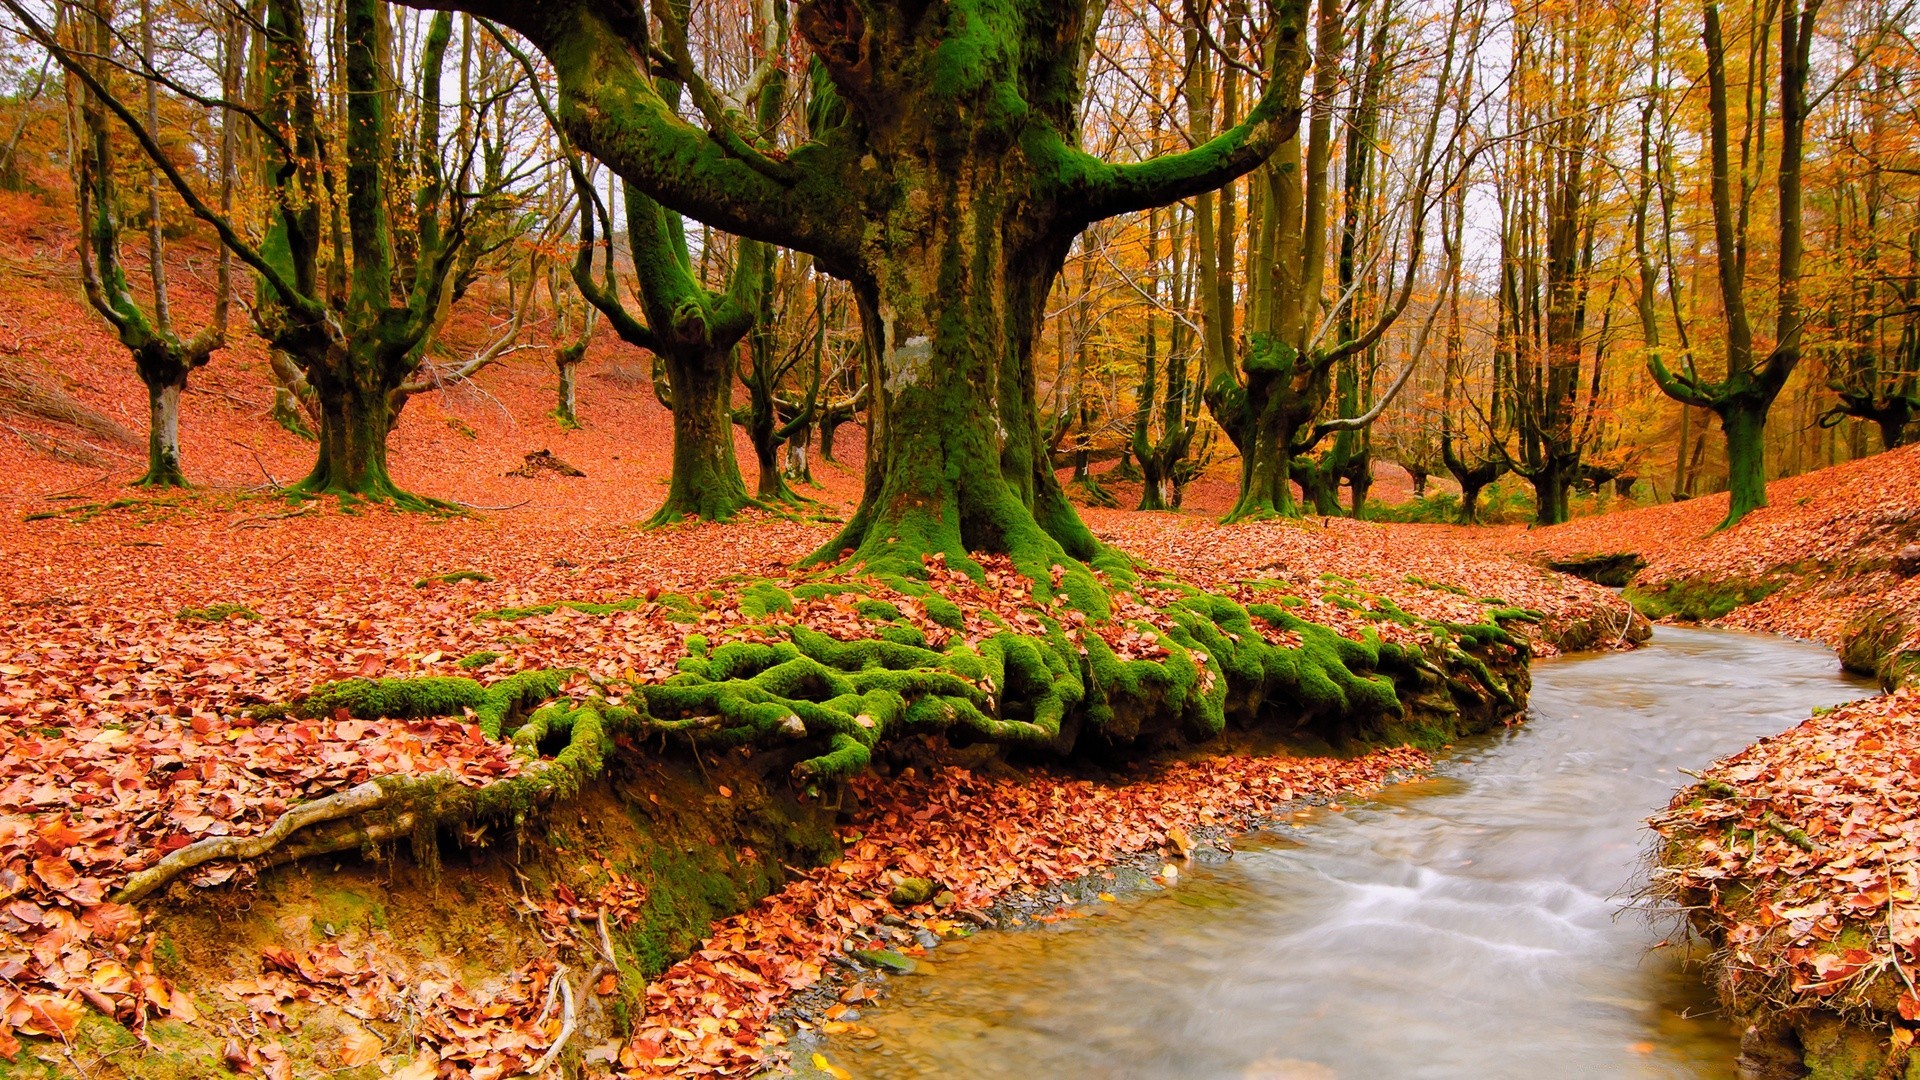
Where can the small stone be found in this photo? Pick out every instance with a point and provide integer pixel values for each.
(910, 891)
(1906, 562)
(926, 939)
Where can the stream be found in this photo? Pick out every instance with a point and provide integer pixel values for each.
(1469, 925)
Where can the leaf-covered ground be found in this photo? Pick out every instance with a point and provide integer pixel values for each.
(1818, 556)
(1803, 853)
(141, 631)
(139, 637)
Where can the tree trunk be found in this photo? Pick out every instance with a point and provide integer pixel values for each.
(1319, 486)
(796, 468)
(1266, 435)
(956, 461)
(1745, 425)
(163, 433)
(828, 425)
(354, 422)
(1362, 481)
(1419, 482)
(1550, 487)
(564, 408)
(1470, 502)
(705, 482)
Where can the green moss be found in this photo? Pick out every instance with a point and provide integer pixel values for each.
(585, 608)
(216, 613)
(1837, 1050)
(477, 659)
(1700, 599)
(762, 599)
(451, 577)
(878, 610)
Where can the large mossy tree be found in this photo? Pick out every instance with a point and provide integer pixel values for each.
(949, 198)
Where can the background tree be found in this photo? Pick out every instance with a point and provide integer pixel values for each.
(161, 356)
(349, 308)
(1754, 371)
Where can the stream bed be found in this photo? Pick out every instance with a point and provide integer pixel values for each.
(1469, 925)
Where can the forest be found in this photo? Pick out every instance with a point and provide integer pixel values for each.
(595, 538)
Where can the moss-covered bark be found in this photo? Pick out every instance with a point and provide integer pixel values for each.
(163, 434)
(705, 482)
(948, 193)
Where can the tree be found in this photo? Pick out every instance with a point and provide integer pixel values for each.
(161, 356)
(345, 304)
(1754, 376)
(1558, 114)
(948, 199)
(1285, 377)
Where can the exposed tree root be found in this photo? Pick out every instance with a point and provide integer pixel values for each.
(1049, 683)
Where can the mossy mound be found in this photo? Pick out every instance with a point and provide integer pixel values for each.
(1701, 599)
(216, 613)
(1878, 643)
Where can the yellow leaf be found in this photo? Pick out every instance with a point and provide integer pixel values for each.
(1109, 898)
(424, 1067)
(360, 1047)
(820, 1062)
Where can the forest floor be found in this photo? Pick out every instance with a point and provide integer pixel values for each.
(142, 629)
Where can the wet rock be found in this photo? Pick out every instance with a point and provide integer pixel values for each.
(926, 939)
(888, 959)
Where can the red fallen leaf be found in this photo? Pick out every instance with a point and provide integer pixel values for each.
(56, 836)
(1909, 1006)
(45, 1014)
(9, 1046)
(275, 957)
(55, 872)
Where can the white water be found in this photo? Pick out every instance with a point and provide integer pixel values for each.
(1470, 926)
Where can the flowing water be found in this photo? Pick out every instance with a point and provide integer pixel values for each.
(1466, 926)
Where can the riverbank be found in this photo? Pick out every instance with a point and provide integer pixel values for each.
(1833, 558)
(1799, 860)
(1474, 914)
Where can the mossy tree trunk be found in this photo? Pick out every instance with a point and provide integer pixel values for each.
(356, 416)
(566, 407)
(693, 331)
(1745, 394)
(161, 357)
(948, 197)
(705, 482)
(1744, 422)
(164, 388)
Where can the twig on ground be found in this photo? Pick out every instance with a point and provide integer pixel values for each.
(566, 1025)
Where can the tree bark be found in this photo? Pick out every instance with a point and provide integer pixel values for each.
(163, 433)
(705, 482)
(1744, 422)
